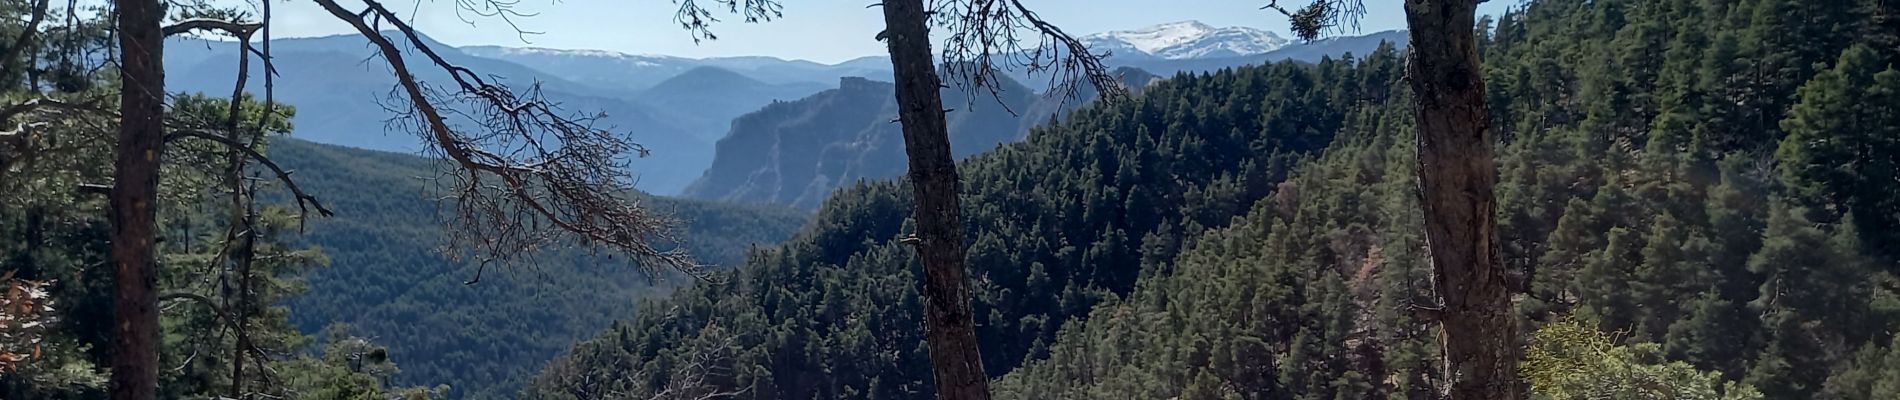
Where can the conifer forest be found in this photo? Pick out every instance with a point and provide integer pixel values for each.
(957, 200)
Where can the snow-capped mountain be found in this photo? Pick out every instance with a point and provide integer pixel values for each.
(1186, 40)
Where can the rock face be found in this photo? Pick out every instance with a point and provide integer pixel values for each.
(796, 152)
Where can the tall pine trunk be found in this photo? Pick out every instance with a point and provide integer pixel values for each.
(134, 200)
(933, 176)
(1459, 177)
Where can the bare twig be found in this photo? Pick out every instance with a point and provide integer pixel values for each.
(986, 37)
(207, 302)
(35, 104)
(303, 199)
(697, 20)
(533, 170)
(1321, 16)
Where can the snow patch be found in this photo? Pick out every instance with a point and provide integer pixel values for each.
(1185, 40)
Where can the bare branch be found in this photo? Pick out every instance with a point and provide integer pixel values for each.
(698, 20)
(986, 37)
(207, 302)
(1321, 16)
(532, 171)
(43, 102)
(235, 29)
(20, 145)
(303, 199)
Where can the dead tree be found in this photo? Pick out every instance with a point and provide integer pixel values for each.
(1457, 176)
(982, 35)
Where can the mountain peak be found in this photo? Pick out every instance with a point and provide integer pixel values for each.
(1185, 40)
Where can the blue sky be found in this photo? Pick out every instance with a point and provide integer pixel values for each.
(819, 30)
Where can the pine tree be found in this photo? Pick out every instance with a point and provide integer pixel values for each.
(1840, 155)
(1814, 299)
(1673, 268)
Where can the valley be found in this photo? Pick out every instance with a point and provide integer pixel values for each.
(1544, 200)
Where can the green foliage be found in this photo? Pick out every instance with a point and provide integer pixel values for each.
(1679, 171)
(348, 368)
(1058, 223)
(1841, 156)
(382, 269)
(57, 233)
(388, 282)
(1569, 360)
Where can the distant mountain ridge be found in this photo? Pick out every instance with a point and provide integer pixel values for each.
(798, 152)
(676, 106)
(636, 72)
(339, 92)
(1185, 40)
(1162, 49)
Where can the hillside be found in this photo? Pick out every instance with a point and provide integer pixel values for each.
(1057, 223)
(797, 152)
(1676, 199)
(340, 100)
(387, 282)
(1712, 189)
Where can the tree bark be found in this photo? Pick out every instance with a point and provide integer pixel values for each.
(134, 201)
(245, 254)
(1458, 177)
(242, 225)
(933, 174)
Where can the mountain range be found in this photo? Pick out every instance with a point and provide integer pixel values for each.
(798, 152)
(678, 107)
(1185, 40)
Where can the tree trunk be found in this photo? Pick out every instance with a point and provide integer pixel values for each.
(1459, 176)
(933, 176)
(135, 200)
(241, 217)
(240, 314)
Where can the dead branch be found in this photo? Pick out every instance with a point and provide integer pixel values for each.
(698, 20)
(303, 199)
(26, 310)
(20, 145)
(531, 171)
(987, 36)
(1321, 16)
(43, 102)
(689, 381)
(233, 28)
(207, 302)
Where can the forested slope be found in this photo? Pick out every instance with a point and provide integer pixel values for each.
(1711, 179)
(388, 282)
(1057, 223)
(1702, 193)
